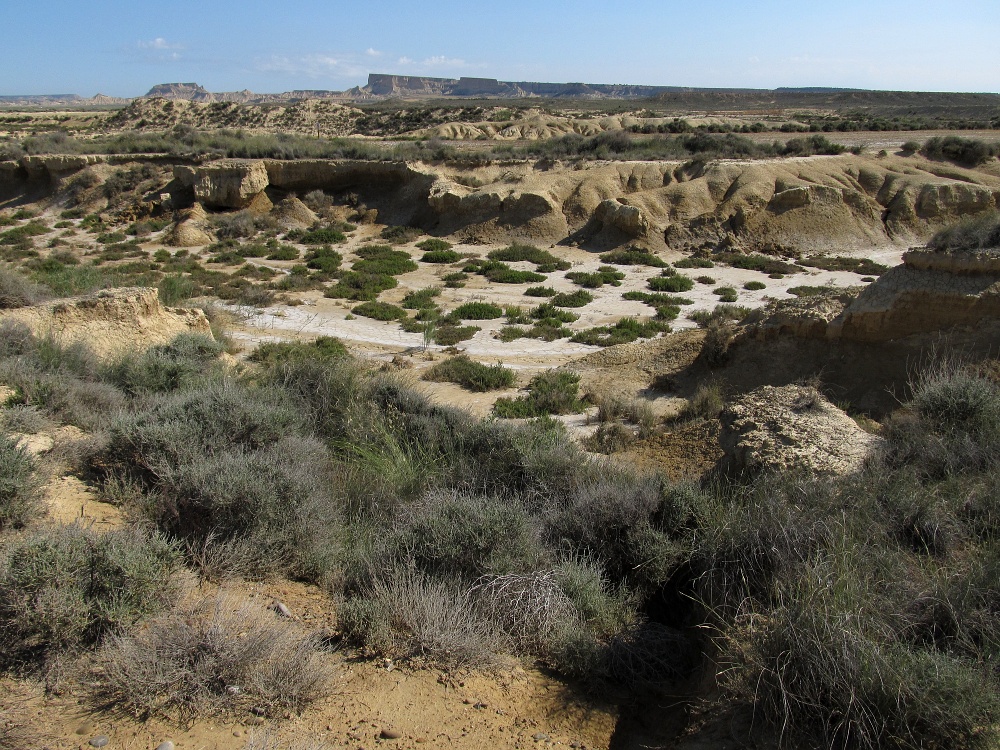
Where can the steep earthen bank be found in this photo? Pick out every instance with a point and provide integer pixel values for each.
(783, 205)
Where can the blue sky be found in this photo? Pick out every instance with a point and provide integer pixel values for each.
(122, 48)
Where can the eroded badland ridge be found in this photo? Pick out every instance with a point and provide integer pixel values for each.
(458, 413)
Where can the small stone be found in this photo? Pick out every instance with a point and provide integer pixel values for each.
(329, 727)
(237, 733)
(255, 721)
(539, 736)
(233, 689)
(466, 701)
(99, 741)
(480, 705)
(390, 734)
(165, 745)
(258, 710)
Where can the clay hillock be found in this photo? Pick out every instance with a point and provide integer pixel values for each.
(111, 321)
(307, 117)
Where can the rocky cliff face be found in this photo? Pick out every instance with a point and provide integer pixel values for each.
(805, 204)
(930, 292)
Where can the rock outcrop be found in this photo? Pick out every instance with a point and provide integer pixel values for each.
(930, 292)
(112, 321)
(231, 183)
(791, 428)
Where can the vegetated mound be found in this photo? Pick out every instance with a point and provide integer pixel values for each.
(111, 321)
(791, 428)
(309, 117)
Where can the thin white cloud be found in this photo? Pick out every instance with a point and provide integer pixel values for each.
(311, 66)
(158, 44)
(437, 64)
(372, 52)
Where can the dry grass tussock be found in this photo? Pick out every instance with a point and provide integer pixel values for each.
(217, 655)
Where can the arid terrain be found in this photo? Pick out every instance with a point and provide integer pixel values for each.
(515, 423)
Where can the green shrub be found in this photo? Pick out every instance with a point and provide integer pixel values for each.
(66, 587)
(726, 293)
(360, 286)
(176, 288)
(477, 311)
(433, 244)
(549, 392)
(675, 284)
(399, 235)
(753, 286)
(270, 353)
(383, 260)
(440, 256)
(455, 280)
(694, 263)
(283, 252)
(657, 300)
(420, 299)
(624, 331)
(761, 263)
(449, 335)
(865, 266)
(547, 312)
(225, 462)
(968, 152)
(633, 256)
(603, 275)
(500, 273)
(539, 291)
(723, 312)
(472, 375)
(579, 298)
(324, 259)
(521, 252)
(321, 237)
(379, 311)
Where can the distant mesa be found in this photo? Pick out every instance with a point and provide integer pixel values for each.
(387, 85)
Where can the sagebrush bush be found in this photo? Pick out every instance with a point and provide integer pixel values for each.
(64, 588)
(20, 489)
(185, 360)
(216, 656)
(18, 291)
(977, 233)
(410, 614)
(230, 461)
(460, 536)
